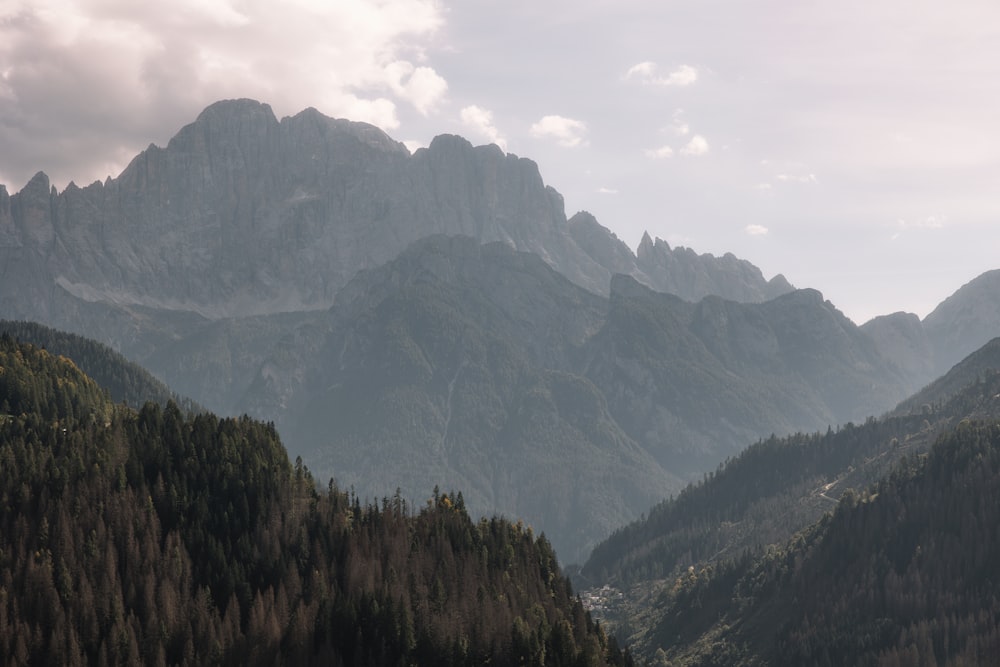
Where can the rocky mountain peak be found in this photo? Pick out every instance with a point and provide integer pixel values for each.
(225, 111)
(603, 245)
(645, 249)
(32, 208)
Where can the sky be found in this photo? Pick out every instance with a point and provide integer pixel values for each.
(853, 146)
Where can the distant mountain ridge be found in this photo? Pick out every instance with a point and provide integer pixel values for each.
(241, 214)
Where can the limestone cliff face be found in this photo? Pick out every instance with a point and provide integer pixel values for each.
(242, 214)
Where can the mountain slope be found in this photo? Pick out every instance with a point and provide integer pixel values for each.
(737, 518)
(972, 370)
(965, 320)
(903, 574)
(451, 366)
(482, 368)
(780, 485)
(150, 538)
(125, 381)
(694, 382)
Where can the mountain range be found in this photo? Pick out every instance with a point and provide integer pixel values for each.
(412, 319)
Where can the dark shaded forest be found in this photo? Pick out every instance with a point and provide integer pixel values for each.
(154, 536)
(905, 573)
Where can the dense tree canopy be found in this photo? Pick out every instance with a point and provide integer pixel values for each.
(158, 537)
(902, 574)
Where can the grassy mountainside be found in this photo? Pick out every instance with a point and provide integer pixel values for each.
(151, 537)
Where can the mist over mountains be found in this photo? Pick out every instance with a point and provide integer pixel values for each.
(312, 272)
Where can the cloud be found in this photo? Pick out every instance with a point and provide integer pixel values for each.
(566, 132)
(480, 120)
(797, 178)
(85, 85)
(607, 191)
(930, 222)
(697, 146)
(660, 153)
(420, 86)
(647, 73)
(756, 230)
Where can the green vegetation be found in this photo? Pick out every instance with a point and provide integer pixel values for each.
(902, 574)
(156, 537)
(124, 380)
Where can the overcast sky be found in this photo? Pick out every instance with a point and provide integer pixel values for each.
(851, 145)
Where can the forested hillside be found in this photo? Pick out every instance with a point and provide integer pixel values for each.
(901, 574)
(125, 381)
(156, 537)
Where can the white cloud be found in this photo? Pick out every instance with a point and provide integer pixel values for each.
(480, 121)
(643, 70)
(659, 153)
(678, 125)
(697, 146)
(85, 82)
(420, 86)
(648, 73)
(929, 222)
(797, 178)
(756, 230)
(607, 191)
(566, 132)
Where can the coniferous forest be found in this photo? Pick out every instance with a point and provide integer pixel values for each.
(159, 537)
(905, 573)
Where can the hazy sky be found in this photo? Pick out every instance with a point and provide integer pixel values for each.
(851, 145)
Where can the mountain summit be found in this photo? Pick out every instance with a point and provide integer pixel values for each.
(242, 214)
